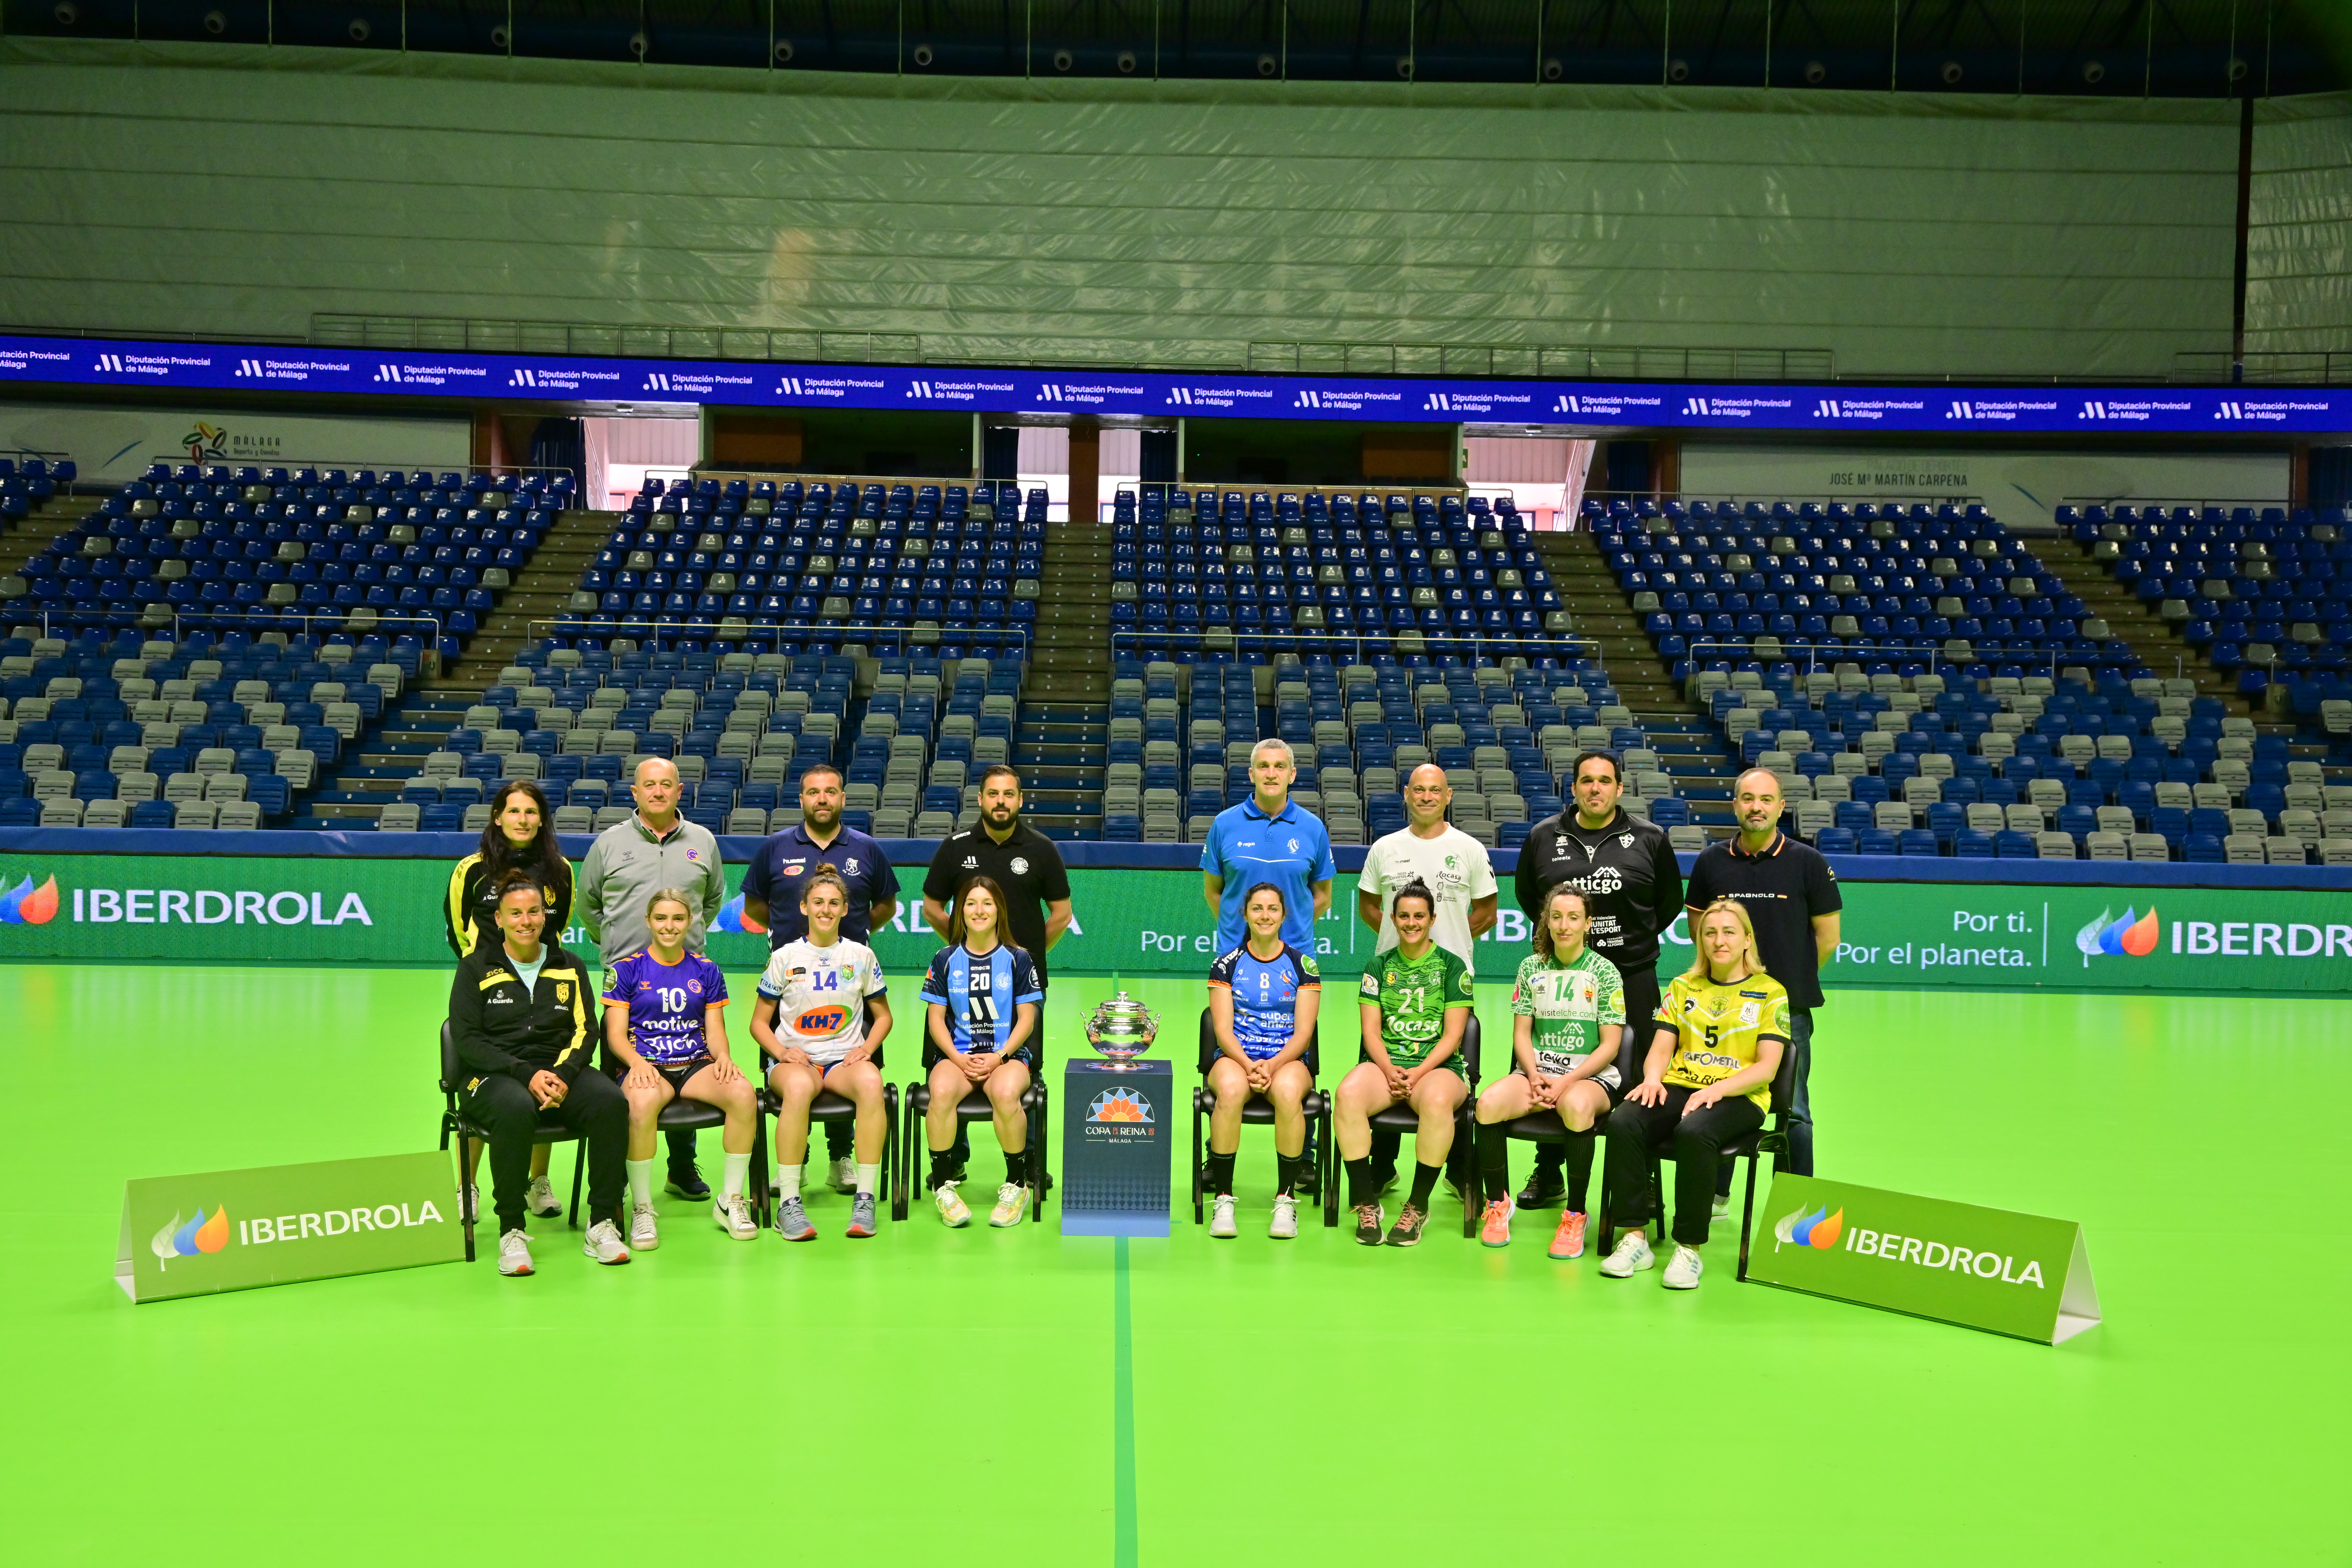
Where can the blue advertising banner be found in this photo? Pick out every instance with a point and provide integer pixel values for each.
(226, 367)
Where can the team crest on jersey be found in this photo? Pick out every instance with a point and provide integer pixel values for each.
(695, 986)
(563, 993)
(1307, 964)
(1625, 840)
(1020, 866)
(1294, 846)
(850, 865)
(694, 854)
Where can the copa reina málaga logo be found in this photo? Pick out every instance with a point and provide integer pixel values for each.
(1116, 1106)
(209, 1233)
(1821, 1232)
(28, 904)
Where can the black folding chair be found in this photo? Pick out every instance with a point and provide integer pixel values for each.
(1258, 1112)
(1770, 1139)
(1535, 1127)
(915, 1100)
(456, 1122)
(828, 1106)
(1403, 1118)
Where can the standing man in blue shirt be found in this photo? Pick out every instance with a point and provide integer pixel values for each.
(1268, 838)
(772, 898)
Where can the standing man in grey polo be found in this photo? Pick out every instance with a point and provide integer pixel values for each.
(628, 864)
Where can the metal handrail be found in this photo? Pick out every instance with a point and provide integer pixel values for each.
(900, 637)
(1840, 653)
(1436, 642)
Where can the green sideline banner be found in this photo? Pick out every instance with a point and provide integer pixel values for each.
(234, 1230)
(2006, 936)
(2013, 1274)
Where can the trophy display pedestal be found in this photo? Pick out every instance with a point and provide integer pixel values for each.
(1115, 1146)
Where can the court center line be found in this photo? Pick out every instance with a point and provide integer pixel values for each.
(1123, 1534)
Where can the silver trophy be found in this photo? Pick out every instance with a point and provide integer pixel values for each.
(1122, 1028)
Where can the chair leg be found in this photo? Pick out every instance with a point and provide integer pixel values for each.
(890, 1150)
(1747, 1218)
(465, 1189)
(759, 1166)
(1036, 1162)
(1608, 1242)
(1328, 1156)
(1465, 1126)
(1196, 1158)
(902, 1130)
(579, 1169)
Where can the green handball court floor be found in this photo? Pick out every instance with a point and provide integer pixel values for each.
(961, 1397)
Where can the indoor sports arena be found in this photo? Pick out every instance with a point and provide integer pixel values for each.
(967, 779)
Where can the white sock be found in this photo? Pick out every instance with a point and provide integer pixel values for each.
(788, 1183)
(641, 1180)
(869, 1178)
(738, 1170)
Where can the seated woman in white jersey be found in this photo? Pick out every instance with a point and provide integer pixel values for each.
(810, 1019)
(983, 999)
(1262, 999)
(1569, 1021)
(665, 1034)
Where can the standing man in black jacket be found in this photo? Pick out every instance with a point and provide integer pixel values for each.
(1634, 884)
(519, 1016)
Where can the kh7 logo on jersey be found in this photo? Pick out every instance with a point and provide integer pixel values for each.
(822, 1020)
(25, 905)
(2135, 934)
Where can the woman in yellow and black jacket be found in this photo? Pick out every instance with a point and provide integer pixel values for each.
(520, 836)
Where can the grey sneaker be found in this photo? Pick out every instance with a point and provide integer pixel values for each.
(844, 1173)
(604, 1243)
(645, 1227)
(514, 1252)
(793, 1221)
(1723, 1206)
(861, 1214)
(539, 1198)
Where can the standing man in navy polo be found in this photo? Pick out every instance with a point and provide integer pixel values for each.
(1268, 838)
(772, 897)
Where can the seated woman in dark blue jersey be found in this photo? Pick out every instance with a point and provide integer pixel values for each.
(983, 996)
(1262, 998)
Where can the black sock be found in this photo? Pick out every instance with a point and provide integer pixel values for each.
(1547, 1171)
(1424, 1181)
(943, 1166)
(1016, 1167)
(1493, 1159)
(1287, 1169)
(1580, 1168)
(1360, 1182)
(1220, 1174)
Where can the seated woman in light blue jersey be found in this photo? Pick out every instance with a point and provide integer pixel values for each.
(983, 997)
(1262, 998)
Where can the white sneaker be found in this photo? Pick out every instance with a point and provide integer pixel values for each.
(603, 1242)
(1683, 1272)
(1632, 1256)
(644, 1235)
(953, 1209)
(1285, 1226)
(539, 1198)
(470, 1197)
(1723, 1206)
(1012, 1202)
(1221, 1217)
(514, 1252)
(844, 1173)
(734, 1216)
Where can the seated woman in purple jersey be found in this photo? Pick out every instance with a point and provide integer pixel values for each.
(665, 1034)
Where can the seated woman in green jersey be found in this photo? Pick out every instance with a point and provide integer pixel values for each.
(1568, 1011)
(1721, 1028)
(1415, 1004)
(1262, 998)
(811, 1019)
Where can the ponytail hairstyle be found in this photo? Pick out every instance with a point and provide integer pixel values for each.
(1416, 888)
(825, 872)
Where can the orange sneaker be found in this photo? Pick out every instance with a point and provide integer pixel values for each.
(1568, 1241)
(1494, 1229)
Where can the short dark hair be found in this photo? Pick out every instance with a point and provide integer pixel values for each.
(990, 772)
(821, 768)
(520, 880)
(1258, 888)
(1616, 767)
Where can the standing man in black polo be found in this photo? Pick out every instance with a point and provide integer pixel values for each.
(1017, 858)
(772, 898)
(1791, 898)
(1634, 886)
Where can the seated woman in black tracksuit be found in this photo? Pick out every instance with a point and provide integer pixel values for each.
(520, 1014)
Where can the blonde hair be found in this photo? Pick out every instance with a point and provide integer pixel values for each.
(1699, 970)
(678, 896)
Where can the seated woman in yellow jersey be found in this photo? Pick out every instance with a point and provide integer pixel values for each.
(983, 994)
(1568, 1011)
(1262, 998)
(1721, 1028)
(665, 1034)
(1415, 1003)
(810, 1019)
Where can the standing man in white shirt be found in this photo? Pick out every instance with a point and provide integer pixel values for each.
(1432, 851)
